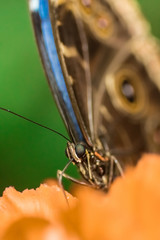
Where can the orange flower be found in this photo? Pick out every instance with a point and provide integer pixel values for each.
(131, 209)
(33, 214)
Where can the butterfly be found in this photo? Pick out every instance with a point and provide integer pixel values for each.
(103, 68)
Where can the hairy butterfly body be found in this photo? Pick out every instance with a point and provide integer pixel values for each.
(104, 71)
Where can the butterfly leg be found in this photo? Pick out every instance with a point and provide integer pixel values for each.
(74, 180)
(118, 165)
(89, 165)
(59, 176)
(110, 172)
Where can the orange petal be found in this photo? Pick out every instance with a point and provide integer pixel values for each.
(35, 229)
(131, 209)
(45, 202)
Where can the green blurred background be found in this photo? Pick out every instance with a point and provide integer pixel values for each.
(29, 154)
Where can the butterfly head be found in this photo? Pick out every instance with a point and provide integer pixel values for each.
(93, 166)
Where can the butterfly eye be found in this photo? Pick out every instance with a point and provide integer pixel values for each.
(80, 150)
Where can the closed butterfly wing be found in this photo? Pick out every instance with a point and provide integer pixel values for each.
(104, 71)
(66, 64)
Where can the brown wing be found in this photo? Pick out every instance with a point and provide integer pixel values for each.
(125, 70)
(120, 77)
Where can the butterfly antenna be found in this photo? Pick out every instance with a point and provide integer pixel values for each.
(29, 120)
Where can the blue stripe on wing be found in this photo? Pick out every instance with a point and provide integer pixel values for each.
(53, 68)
